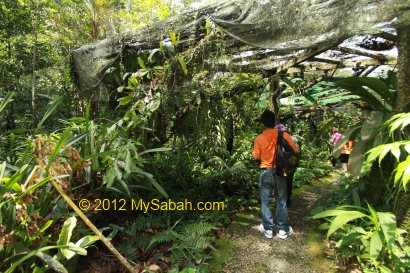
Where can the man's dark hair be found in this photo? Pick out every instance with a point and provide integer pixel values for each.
(267, 118)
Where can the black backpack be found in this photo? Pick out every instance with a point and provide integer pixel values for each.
(286, 159)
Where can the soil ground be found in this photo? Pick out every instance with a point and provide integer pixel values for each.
(245, 249)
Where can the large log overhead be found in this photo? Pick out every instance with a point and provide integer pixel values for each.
(281, 26)
(304, 60)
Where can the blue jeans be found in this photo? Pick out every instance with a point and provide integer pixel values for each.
(269, 183)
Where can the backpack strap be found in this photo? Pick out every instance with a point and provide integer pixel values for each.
(279, 140)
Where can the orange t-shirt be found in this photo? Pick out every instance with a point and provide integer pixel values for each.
(347, 149)
(265, 144)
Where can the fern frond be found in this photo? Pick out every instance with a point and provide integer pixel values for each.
(198, 229)
(164, 236)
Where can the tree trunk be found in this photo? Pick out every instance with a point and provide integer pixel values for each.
(33, 76)
(230, 134)
(403, 70)
(274, 92)
(10, 119)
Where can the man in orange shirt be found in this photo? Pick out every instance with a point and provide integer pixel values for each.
(264, 150)
(344, 156)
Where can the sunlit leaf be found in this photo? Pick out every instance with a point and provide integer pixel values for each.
(385, 150)
(388, 224)
(174, 38)
(151, 57)
(66, 233)
(376, 244)
(53, 107)
(141, 62)
(183, 64)
(125, 100)
(342, 219)
(395, 150)
(328, 213)
(6, 100)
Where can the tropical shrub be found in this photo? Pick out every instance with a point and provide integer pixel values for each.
(370, 236)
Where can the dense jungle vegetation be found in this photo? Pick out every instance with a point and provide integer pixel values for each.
(172, 129)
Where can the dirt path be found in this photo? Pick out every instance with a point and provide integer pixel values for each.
(250, 251)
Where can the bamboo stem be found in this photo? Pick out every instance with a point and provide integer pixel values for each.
(94, 229)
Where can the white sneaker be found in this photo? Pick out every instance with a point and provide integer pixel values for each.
(283, 234)
(268, 233)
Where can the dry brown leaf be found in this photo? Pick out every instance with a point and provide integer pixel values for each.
(154, 268)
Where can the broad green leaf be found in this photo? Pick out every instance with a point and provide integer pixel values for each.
(7, 99)
(83, 243)
(379, 100)
(376, 244)
(66, 233)
(151, 57)
(387, 222)
(384, 269)
(406, 176)
(359, 230)
(328, 213)
(395, 150)
(385, 150)
(183, 64)
(52, 262)
(407, 148)
(403, 172)
(375, 153)
(53, 107)
(379, 87)
(370, 124)
(399, 120)
(86, 241)
(154, 105)
(343, 219)
(126, 100)
(133, 81)
(168, 46)
(141, 63)
(356, 158)
(174, 38)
